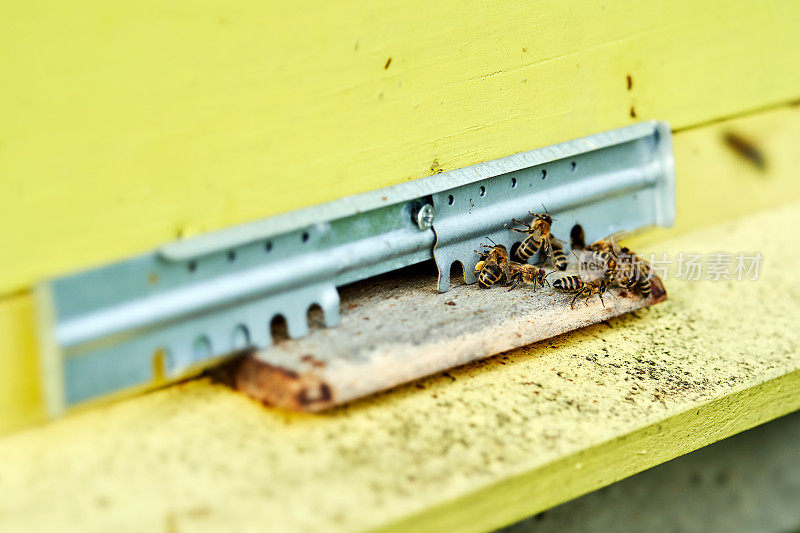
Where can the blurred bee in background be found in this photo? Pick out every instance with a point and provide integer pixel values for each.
(575, 284)
(539, 238)
(493, 264)
(528, 274)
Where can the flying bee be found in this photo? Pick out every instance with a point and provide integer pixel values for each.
(493, 265)
(575, 284)
(539, 238)
(528, 274)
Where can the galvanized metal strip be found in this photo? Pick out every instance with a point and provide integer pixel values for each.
(194, 301)
(107, 323)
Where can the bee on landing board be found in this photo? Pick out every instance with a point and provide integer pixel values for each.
(528, 274)
(608, 252)
(539, 238)
(636, 273)
(576, 285)
(493, 265)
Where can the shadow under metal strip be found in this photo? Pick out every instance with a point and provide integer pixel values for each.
(193, 301)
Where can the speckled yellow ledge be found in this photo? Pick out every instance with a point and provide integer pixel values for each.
(471, 449)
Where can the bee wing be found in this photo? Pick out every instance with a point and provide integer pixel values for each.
(505, 269)
(614, 239)
(515, 267)
(547, 246)
(557, 243)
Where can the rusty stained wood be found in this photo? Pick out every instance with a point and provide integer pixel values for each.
(396, 328)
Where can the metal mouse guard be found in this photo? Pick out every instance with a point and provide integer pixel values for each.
(194, 301)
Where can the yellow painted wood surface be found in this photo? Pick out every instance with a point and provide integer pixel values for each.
(125, 125)
(21, 400)
(472, 449)
(714, 184)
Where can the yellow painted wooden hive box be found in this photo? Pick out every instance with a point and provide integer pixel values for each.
(127, 126)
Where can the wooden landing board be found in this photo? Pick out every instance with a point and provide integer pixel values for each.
(126, 125)
(472, 449)
(397, 328)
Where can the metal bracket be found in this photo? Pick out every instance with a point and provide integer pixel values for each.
(190, 302)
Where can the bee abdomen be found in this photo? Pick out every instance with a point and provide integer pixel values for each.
(490, 275)
(525, 250)
(644, 287)
(568, 283)
(626, 281)
(559, 259)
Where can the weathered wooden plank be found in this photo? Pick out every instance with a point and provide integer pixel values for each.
(396, 328)
(125, 125)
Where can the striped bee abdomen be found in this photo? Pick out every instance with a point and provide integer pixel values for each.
(489, 275)
(527, 248)
(644, 286)
(568, 283)
(559, 259)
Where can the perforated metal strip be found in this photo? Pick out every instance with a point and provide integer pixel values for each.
(192, 301)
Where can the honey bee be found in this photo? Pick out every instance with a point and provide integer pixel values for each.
(538, 237)
(575, 284)
(637, 273)
(528, 274)
(608, 252)
(537, 232)
(493, 265)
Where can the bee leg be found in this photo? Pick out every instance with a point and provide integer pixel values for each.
(514, 284)
(588, 295)
(572, 303)
(601, 299)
